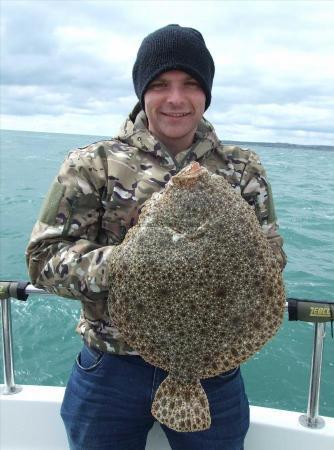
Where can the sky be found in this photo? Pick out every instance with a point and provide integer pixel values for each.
(66, 65)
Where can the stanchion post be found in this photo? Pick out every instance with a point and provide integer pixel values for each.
(9, 386)
(312, 419)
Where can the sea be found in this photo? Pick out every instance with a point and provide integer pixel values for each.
(45, 342)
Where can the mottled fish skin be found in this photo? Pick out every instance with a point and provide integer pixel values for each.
(195, 288)
(97, 197)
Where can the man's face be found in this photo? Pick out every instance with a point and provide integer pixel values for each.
(174, 105)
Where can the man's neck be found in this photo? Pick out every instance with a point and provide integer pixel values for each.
(175, 146)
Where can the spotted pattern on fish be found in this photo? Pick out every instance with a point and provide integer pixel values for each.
(196, 289)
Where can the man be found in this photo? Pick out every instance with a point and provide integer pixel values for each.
(96, 197)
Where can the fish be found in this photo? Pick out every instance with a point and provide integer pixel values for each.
(195, 289)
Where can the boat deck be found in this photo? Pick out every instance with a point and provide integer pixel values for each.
(30, 420)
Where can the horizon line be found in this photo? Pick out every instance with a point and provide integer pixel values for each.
(223, 141)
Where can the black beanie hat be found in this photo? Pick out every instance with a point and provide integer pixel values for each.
(173, 48)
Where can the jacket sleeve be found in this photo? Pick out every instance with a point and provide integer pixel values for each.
(64, 255)
(256, 189)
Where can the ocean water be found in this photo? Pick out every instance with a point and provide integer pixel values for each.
(45, 343)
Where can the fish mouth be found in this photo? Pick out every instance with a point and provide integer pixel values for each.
(192, 169)
(189, 175)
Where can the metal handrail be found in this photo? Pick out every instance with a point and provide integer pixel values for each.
(21, 291)
(299, 309)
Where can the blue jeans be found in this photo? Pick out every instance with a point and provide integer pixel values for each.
(107, 406)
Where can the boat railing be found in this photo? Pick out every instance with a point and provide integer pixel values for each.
(316, 311)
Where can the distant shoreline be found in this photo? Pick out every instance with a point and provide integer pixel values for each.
(225, 141)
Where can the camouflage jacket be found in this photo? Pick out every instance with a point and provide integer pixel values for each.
(97, 197)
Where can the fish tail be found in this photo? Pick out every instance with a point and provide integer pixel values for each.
(182, 406)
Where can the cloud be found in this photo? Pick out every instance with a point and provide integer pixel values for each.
(71, 60)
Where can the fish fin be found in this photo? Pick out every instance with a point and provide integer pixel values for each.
(182, 406)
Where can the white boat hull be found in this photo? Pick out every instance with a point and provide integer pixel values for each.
(30, 420)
